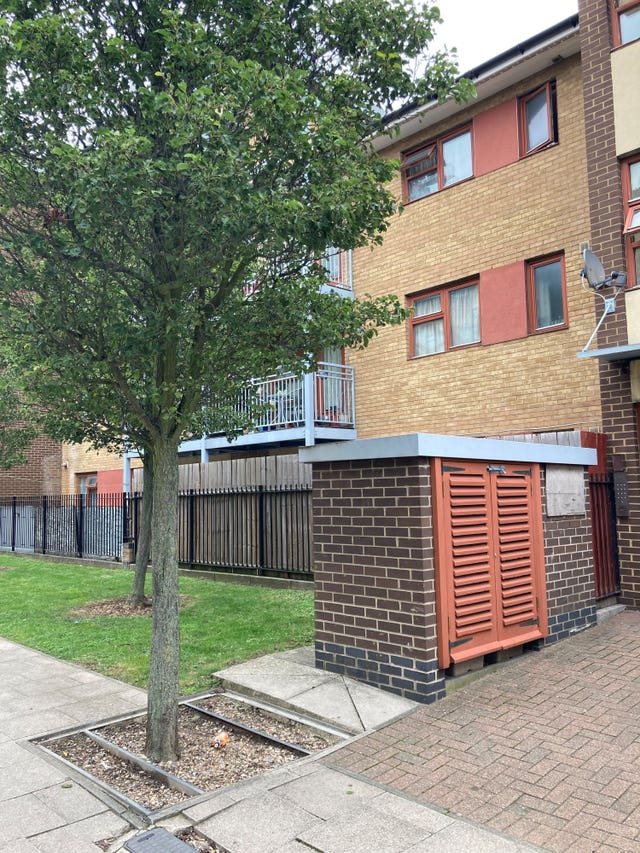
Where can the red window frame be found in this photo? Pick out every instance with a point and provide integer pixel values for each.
(552, 132)
(531, 267)
(444, 314)
(631, 234)
(618, 8)
(412, 157)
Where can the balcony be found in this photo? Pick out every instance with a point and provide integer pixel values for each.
(291, 410)
(338, 264)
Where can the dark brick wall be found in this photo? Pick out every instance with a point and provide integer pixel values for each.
(41, 475)
(606, 215)
(569, 572)
(374, 574)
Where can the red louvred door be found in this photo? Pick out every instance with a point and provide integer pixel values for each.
(490, 567)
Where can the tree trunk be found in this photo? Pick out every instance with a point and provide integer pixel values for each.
(164, 664)
(143, 545)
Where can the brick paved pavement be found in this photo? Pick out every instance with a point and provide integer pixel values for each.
(545, 748)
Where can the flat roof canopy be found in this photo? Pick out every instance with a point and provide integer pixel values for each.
(422, 444)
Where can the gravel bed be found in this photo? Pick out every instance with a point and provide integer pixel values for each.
(283, 728)
(200, 763)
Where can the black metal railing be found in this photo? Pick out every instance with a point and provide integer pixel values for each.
(260, 529)
(92, 525)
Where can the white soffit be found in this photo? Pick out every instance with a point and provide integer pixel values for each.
(492, 77)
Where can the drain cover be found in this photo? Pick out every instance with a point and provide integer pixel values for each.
(157, 840)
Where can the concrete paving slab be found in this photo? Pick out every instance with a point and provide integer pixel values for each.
(63, 840)
(20, 845)
(20, 815)
(463, 836)
(375, 707)
(326, 792)
(263, 824)
(34, 774)
(330, 701)
(291, 680)
(410, 811)
(70, 801)
(274, 676)
(362, 831)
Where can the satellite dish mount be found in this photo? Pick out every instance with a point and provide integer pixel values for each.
(593, 274)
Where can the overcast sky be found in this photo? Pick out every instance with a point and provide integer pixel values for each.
(481, 29)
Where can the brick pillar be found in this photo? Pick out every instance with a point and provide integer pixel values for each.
(374, 575)
(606, 215)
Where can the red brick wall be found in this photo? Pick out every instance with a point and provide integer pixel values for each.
(41, 475)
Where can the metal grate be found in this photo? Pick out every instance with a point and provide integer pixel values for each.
(157, 840)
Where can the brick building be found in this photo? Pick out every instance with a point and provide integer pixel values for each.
(501, 198)
(610, 36)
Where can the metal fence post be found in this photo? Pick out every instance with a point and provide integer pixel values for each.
(261, 530)
(192, 522)
(80, 525)
(44, 525)
(14, 521)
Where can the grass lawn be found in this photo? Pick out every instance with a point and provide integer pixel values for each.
(221, 623)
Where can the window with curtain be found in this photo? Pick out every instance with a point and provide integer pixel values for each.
(444, 319)
(547, 297)
(441, 163)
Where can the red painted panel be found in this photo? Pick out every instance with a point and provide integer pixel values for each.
(110, 482)
(503, 304)
(495, 138)
(597, 440)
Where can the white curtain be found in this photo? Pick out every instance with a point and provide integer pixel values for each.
(464, 316)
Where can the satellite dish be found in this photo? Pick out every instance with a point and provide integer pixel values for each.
(593, 270)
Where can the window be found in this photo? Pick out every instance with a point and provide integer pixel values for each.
(626, 21)
(537, 117)
(444, 319)
(631, 189)
(88, 486)
(546, 294)
(439, 164)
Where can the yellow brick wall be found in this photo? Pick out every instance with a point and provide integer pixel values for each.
(83, 459)
(535, 206)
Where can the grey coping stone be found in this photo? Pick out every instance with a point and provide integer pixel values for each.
(363, 831)
(326, 792)
(264, 825)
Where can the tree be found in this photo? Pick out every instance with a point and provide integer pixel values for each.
(170, 172)
(17, 424)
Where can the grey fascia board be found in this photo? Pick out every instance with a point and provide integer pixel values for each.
(448, 447)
